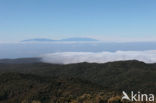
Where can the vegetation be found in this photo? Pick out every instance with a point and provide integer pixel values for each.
(74, 83)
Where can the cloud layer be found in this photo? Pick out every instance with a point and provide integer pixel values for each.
(99, 57)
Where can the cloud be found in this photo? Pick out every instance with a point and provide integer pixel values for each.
(99, 57)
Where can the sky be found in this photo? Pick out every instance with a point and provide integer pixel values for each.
(107, 20)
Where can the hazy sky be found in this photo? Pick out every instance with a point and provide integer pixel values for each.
(55, 19)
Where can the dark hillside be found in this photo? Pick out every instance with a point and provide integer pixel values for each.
(20, 60)
(26, 88)
(114, 76)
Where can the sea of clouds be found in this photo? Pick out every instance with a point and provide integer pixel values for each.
(99, 57)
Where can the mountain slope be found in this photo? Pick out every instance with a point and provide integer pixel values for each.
(26, 88)
(78, 39)
(113, 76)
(38, 40)
(20, 60)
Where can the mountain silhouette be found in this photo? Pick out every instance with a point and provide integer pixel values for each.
(66, 39)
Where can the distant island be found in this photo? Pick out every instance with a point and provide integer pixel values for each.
(38, 40)
(76, 39)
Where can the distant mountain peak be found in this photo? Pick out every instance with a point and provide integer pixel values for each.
(38, 40)
(79, 39)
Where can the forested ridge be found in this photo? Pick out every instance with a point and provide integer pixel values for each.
(39, 82)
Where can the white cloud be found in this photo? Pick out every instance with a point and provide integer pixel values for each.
(99, 57)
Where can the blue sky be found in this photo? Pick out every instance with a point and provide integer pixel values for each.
(55, 19)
